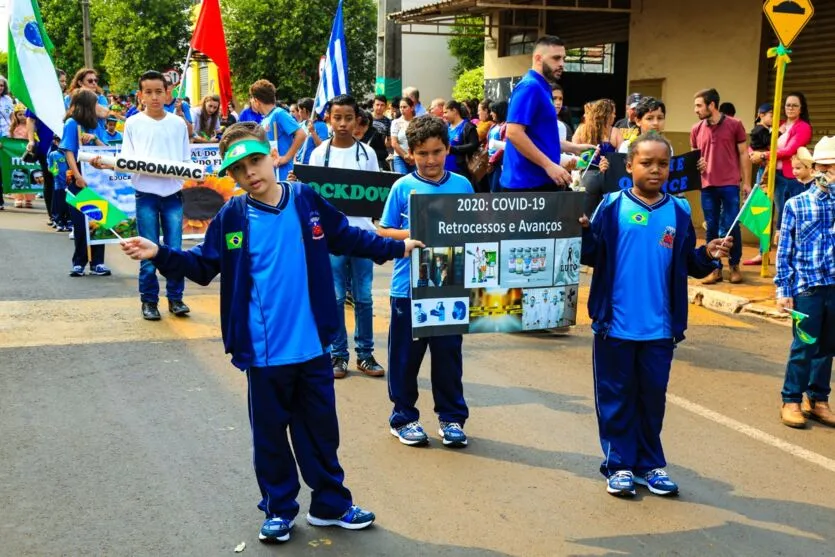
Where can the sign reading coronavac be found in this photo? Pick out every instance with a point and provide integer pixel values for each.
(788, 18)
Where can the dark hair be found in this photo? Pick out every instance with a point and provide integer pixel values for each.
(548, 40)
(426, 127)
(381, 98)
(262, 90)
(804, 106)
(457, 106)
(345, 100)
(647, 105)
(153, 75)
(649, 137)
(239, 131)
(709, 96)
(408, 100)
(500, 108)
(306, 103)
(59, 73)
(472, 108)
(728, 109)
(363, 117)
(83, 108)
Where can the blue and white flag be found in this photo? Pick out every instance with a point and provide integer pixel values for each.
(333, 69)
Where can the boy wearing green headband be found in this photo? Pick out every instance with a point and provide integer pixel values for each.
(272, 248)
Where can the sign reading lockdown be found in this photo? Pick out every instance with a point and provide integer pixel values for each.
(684, 174)
(495, 263)
(357, 193)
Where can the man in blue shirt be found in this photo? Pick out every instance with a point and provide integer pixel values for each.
(249, 115)
(414, 94)
(532, 157)
(280, 126)
(179, 107)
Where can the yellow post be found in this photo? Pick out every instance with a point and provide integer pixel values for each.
(782, 60)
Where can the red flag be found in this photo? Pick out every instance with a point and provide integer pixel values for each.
(209, 39)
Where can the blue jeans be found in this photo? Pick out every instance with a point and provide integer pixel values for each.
(496, 180)
(784, 189)
(809, 368)
(151, 211)
(401, 167)
(358, 273)
(720, 205)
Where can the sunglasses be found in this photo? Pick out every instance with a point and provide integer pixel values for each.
(91, 81)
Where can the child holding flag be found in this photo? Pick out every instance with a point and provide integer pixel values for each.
(278, 317)
(806, 286)
(642, 246)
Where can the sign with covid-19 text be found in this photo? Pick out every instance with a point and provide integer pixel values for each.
(494, 263)
(684, 174)
(357, 193)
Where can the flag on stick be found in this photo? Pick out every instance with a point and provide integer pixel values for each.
(210, 39)
(756, 216)
(585, 159)
(96, 208)
(798, 318)
(333, 73)
(32, 76)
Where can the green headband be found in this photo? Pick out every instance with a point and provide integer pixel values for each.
(240, 150)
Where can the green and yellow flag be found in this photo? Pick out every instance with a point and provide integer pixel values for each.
(756, 217)
(234, 240)
(798, 318)
(96, 208)
(585, 159)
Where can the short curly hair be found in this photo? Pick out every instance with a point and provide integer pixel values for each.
(426, 127)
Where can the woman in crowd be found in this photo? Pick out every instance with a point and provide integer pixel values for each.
(313, 126)
(463, 140)
(17, 129)
(207, 120)
(88, 78)
(496, 144)
(6, 109)
(403, 162)
(485, 120)
(597, 129)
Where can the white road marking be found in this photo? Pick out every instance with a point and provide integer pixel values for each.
(753, 433)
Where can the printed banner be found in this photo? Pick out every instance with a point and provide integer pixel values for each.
(201, 201)
(19, 176)
(684, 174)
(495, 263)
(357, 193)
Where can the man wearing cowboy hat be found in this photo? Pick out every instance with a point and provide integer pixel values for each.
(806, 283)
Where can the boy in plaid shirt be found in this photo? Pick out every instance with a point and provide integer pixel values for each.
(806, 283)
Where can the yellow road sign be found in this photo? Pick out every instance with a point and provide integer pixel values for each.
(788, 17)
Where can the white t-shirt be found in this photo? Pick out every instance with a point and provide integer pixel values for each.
(358, 157)
(398, 132)
(563, 130)
(195, 118)
(165, 139)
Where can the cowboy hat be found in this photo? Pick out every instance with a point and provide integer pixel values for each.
(825, 151)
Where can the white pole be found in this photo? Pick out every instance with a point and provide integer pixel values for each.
(185, 72)
(736, 220)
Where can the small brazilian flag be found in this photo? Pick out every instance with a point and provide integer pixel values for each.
(234, 240)
(96, 208)
(802, 335)
(639, 217)
(585, 159)
(756, 217)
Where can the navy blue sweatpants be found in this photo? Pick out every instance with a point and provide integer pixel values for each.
(405, 357)
(301, 397)
(630, 388)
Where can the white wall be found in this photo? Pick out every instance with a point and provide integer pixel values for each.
(426, 62)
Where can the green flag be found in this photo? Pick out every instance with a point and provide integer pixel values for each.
(17, 175)
(585, 159)
(96, 208)
(756, 217)
(797, 318)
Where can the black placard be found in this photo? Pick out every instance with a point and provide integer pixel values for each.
(357, 193)
(684, 174)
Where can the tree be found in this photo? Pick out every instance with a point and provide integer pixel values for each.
(467, 50)
(62, 19)
(283, 40)
(470, 85)
(4, 64)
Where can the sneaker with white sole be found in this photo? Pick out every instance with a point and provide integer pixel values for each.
(410, 434)
(275, 530)
(621, 484)
(658, 482)
(100, 271)
(77, 271)
(354, 518)
(452, 434)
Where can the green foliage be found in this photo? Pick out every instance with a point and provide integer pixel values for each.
(4, 64)
(283, 40)
(468, 51)
(470, 85)
(62, 19)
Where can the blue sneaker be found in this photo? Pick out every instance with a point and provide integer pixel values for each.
(453, 435)
(77, 271)
(658, 482)
(275, 530)
(621, 484)
(410, 434)
(100, 271)
(354, 519)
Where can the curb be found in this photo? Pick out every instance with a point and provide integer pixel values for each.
(731, 304)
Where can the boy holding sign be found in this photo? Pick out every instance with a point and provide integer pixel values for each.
(278, 317)
(642, 246)
(429, 145)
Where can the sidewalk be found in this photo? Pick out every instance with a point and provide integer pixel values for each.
(756, 295)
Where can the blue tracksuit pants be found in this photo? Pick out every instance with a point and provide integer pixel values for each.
(299, 397)
(405, 357)
(630, 387)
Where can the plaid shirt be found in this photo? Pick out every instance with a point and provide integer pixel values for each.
(806, 254)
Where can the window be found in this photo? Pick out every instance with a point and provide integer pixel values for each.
(591, 59)
(520, 30)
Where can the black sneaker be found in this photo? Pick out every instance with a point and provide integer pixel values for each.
(150, 311)
(340, 367)
(371, 367)
(178, 308)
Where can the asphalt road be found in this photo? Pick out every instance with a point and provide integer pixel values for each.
(122, 437)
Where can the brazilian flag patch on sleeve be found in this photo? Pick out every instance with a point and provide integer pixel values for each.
(234, 240)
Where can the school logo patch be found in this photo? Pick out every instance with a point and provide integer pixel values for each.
(234, 240)
(316, 229)
(640, 218)
(669, 237)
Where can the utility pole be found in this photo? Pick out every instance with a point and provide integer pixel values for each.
(88, 37)
(388, 50)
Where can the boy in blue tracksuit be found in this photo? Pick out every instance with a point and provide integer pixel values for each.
(642, 246)
(271, 248)
(428, 144)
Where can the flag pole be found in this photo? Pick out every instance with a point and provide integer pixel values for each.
(738, 216)
(185, 71)
(583, 175)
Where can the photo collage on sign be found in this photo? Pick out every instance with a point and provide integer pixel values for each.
(514, 285)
